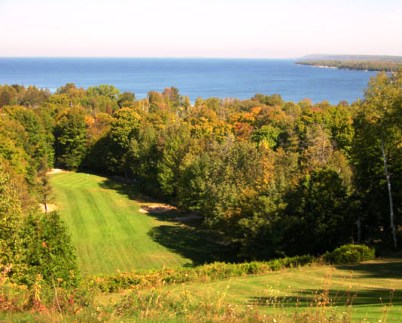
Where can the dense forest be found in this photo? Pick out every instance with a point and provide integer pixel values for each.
(354, 62)
(272, 178)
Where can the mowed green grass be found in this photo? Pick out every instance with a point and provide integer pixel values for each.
(369, 292)
(106, 227)
(110, 234)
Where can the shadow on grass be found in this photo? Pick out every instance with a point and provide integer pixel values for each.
(185, 237)
(334, 297)
(392, 268)
(192, 243)
(123, 187)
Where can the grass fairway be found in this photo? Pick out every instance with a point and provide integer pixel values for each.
(106, 227)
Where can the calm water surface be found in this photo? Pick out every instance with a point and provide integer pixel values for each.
(237, 78)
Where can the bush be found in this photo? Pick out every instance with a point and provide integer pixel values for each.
(49, 251)
(349, 254)
(205, 273)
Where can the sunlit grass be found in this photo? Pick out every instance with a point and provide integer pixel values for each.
(110, 234)
(106, 227)
(369, 292)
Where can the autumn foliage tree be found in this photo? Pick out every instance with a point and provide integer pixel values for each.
(262, 174)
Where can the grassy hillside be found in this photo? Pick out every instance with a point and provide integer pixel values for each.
(369, 292)
(110, 233)
(106, 227)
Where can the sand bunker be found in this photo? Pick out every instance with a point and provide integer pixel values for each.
(55, 171)
(50, 207)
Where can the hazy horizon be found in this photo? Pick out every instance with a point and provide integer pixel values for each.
(191, 57)
(249, 29)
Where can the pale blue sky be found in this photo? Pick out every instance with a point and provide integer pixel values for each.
(199, 28)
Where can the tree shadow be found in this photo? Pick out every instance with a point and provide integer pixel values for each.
(392, 268)
(379, 269)
(334, 297)
(185, 236)
(127, 188)
(193, 243)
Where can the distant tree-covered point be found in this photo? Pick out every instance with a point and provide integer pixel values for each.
(354, 62)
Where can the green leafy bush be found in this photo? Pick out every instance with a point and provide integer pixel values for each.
(49, 251)
(349, 254)
(205, 273)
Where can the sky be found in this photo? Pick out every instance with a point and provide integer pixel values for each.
(199, 28)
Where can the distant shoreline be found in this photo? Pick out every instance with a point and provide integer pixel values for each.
(338, 68)
(350, 67)
(205, 78)
(359, 63)
(325, 66)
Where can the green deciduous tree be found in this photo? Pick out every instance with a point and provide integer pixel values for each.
(109, 91)
(71, 137)
(11, 224)
(49, 251)
(377, 151)
(173, 146)
(126, 99)
(267, 134)
(318, 214)
(39, 142)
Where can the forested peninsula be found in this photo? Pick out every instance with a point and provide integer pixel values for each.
(267, 178)
(354, 62)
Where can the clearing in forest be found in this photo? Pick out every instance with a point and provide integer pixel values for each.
(107, 229)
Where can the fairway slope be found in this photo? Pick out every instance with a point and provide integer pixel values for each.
(107, 228)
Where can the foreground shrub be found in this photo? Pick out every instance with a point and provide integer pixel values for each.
(349, 254)
(163, 305)
(155, 304)
(42, 298)
(49, 251)
(205, 273)
(12, 296)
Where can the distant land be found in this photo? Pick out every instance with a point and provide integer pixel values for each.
(354, 62)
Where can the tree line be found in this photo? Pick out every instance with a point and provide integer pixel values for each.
(358, 64)
(273, 178)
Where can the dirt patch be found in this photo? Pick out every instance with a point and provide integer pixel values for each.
(50, 207)
(55, 171)
(157, 208)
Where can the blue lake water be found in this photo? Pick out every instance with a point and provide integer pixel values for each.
(223, 78)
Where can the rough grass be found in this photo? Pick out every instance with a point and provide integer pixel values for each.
(369, 292)
(106, 227)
